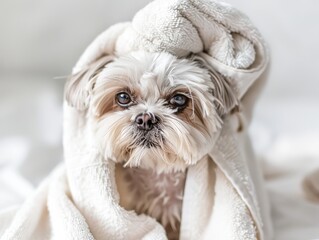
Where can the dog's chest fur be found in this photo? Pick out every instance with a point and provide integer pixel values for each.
(157, 195)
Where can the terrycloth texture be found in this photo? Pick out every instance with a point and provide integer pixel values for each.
(234, 46)
(224, 196)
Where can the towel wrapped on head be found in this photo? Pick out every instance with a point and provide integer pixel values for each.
(224, 196)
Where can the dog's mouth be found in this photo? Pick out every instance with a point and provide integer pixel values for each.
(148, 143)
(150, 139)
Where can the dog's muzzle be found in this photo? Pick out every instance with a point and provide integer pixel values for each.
(148, 129)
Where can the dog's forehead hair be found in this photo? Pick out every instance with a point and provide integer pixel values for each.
(149, 86)
(157, 75)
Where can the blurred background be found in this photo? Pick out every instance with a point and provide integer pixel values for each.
(41, 40)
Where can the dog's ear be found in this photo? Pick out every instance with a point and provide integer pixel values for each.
(79, 86)
(96, 56)
(225, 96)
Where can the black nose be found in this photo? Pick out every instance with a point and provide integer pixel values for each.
(145, 121)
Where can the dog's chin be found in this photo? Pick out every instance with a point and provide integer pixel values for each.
(148, 139)
(152, 153)
(149, 155)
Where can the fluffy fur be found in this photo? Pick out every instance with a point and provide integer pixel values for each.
(180, 137)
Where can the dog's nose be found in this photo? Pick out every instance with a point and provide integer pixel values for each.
(145, 121)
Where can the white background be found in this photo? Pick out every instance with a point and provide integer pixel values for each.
(42, 39)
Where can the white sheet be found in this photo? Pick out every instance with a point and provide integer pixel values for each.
(286, 137)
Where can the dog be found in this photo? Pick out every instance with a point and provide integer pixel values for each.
(154, 115)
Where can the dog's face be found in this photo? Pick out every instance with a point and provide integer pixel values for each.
(152, 110)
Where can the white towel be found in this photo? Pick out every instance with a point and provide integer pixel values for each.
(80, 199)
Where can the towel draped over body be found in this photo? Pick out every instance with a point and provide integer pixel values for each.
(224, 196)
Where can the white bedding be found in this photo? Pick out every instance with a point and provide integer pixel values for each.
(286, 137)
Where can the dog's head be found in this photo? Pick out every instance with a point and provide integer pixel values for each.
(152, 110)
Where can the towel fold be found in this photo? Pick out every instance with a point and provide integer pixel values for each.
(224, 196)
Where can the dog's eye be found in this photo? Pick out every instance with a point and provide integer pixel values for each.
(179, 100)
(123, 99)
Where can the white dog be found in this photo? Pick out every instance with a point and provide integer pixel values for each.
(154, 115)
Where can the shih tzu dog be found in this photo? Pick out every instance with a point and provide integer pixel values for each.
(154, 115)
